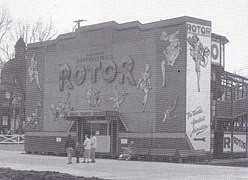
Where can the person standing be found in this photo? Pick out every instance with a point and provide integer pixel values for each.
(69, 146)
(87, 147)
(77, 152)
(93, 147)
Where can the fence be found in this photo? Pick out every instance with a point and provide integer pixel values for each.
(12, 139)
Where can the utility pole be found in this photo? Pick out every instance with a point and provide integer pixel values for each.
(78, 23)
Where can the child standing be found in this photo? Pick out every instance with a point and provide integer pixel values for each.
(77, 152)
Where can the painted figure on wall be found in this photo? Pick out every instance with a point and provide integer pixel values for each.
(171, 52)
(58, 112)
(145, 84)
(33, 71)
(35, 117)
(93, 97)
(168, 112)
(199, 54)
(118, 99)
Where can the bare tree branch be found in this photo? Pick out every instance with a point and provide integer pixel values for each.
(30, 32)
(5, 23)
(5, 26)
(36, 32)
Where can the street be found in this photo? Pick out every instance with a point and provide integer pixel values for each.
(121, 170)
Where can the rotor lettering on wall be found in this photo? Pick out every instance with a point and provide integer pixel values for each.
(63, 107)
(118, 99)
(199, 54)
(169, 110)
(125, 70)
(145, 84)
(35, 117)
(93, 97)
(109, 71)
(92, 70)
(33, 71)
(64, 77)
(79, 74)
(171, 52)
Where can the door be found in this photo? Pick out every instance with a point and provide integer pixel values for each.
(103, 136)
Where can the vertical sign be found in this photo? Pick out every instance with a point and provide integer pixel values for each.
(198, 85)
(216, 51)
(239, 143)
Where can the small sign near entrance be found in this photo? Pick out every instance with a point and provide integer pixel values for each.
(84, 113)
(58, 139)
(123, 141)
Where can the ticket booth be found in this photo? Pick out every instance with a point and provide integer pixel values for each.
(104, 123)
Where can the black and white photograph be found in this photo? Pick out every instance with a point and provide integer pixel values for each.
(123, 90)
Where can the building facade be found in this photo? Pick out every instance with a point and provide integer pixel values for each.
(12, 92)
(147, 83)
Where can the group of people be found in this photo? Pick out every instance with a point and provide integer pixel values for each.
(89, 146)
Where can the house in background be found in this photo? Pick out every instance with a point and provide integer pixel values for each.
(12, 92)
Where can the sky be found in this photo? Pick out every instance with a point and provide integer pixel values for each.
(229, 17)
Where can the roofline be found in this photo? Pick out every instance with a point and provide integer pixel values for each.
(122, 26)
(222, 38)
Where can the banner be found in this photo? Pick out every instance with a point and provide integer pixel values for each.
(198, 81)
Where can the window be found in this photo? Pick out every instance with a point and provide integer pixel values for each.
(7, 95)
(5, 120)
(100, 128)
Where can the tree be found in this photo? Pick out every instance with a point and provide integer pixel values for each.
(30, 32)
(5, 28)
(36, 32)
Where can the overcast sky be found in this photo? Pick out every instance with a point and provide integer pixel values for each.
(229, 17)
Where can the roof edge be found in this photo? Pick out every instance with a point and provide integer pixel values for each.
(121, 26)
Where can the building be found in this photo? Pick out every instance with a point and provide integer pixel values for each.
(160, 84)
(12, 92)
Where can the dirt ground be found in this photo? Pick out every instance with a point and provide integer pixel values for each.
(9, 174)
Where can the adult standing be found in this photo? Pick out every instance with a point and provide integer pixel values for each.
(69, 146)
(87, 147)
(93, 146)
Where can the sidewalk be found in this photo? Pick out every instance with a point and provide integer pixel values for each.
(241, 162)
(12, 147)
(121, 170)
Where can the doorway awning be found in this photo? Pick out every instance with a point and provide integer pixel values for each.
(82, 114)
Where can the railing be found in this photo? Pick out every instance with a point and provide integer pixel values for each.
(12, 139)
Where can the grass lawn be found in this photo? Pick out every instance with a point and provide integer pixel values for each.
(10, 174)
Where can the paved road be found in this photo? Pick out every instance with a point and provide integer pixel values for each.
(122, 170)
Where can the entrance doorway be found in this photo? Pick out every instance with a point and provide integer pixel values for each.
(102, 129)
(105, 124)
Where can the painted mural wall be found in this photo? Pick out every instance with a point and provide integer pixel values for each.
(171, 84)
(140, 73)
(34, 89)
(198, 85)
(103, 70)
